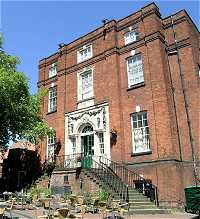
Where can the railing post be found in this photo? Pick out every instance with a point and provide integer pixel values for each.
(156, 196)
(127, 194)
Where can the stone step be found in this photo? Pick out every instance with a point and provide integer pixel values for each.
(133, 200)
(143, 206)
(137, 196)
(149, 211)
(135, 192)
(141, 203)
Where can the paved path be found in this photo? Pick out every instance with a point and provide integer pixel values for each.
(30, 214)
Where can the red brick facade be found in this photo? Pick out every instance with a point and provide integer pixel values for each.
(169, 94)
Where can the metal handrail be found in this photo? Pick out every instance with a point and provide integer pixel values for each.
(71, 161)
(102, 173)
(132, 179)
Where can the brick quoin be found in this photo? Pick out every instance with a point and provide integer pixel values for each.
(169, 99)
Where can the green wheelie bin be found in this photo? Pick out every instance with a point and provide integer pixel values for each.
(192, 196)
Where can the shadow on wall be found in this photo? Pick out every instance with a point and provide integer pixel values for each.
(20, 169)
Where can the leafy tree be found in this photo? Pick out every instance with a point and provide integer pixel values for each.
(19, 110)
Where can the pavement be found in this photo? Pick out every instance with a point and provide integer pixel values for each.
(31, 214)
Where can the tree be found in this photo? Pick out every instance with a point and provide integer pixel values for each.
(19, 110)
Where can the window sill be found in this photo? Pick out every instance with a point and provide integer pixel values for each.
(84, 100)
(134, 154)
(136, 86)
(81, 61)
(51, 77)
(54, 111)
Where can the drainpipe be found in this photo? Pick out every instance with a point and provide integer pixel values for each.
(185, 104)
(174, 103)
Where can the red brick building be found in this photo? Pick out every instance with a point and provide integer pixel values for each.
(129, 90)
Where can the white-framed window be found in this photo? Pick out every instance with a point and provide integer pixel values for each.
(101, 143)
(131, 36)
(53, 70)
(135, 70)
(51, 143)
(85, 53)
(140, 132)
(85, 84)
(52, 106)
(73, 145)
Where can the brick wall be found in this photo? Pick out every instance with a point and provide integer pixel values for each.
(161, 94)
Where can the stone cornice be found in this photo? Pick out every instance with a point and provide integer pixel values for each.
(110, 26)
(180, 44)
(116, 50)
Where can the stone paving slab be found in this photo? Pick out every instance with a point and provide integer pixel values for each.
(31, 214)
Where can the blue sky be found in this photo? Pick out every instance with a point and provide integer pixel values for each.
(33, 29)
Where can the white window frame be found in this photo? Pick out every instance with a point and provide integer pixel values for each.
(52, 101)
(51, 142)
(80, 90)
(127, 36)
(130, 84)
(73, 141)
(142, 129)
(84, 48)
(53, 70)
(101, 143)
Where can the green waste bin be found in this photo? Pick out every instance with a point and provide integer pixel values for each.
(192, 196)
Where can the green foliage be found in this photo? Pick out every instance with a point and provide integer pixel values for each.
(19, 110)
(103, 195)
(38, 192)
(66, 195)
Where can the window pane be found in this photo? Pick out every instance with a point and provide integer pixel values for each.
(52, 99)
(140, 132)
(85, 53)
(86, 84)
(131, 36)
(51, 143)
(135, 70)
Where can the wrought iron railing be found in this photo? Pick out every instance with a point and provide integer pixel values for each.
(109, 179)
(71, 161)
(132, 179)
(116, 176)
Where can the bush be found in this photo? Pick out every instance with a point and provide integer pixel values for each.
(103, 195)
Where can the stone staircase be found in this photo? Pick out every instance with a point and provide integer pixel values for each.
(138, 203)
(112, 177)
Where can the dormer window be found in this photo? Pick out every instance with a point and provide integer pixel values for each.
(131, 36)
(53, 70)
(84, 54)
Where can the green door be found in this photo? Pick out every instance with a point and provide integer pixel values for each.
(87, 144)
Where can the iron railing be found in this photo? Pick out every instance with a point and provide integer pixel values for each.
(132, 179)
(116, 176)
(71, 161)
(109, 179)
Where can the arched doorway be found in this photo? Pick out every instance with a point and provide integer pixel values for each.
(87, 140)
